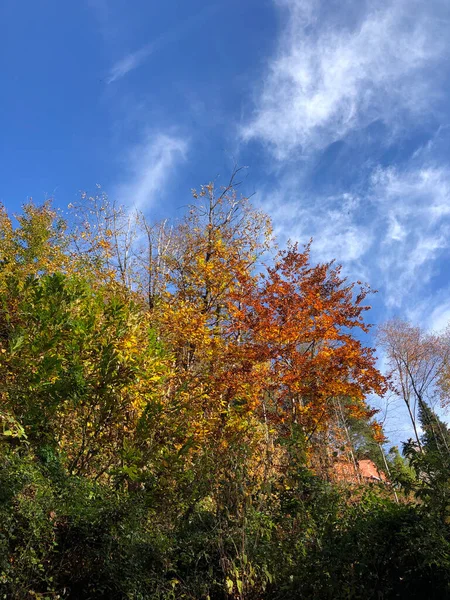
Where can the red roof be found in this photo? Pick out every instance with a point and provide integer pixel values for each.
(367, 471)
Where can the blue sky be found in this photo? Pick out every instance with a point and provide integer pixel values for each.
(340, 109)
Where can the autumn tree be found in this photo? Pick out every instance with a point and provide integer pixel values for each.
(33, 242)
(300, 321)
(169, 394)
(212, 251)
(418, 361)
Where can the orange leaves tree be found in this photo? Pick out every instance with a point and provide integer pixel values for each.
(213, 250)
(300, 323)
(249, 347)
(274, 346)
(167, 365)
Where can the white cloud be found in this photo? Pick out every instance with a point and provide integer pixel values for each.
(440, 317)
(412, 226)
(150, 166)
(129, 63)
(133, 60)
(391, 234)
(329, 77)
(332, 221)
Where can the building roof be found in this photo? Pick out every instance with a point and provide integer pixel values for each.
(344, 470)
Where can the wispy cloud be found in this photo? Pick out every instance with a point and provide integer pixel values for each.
(414, 206)
(133, 60)
(439, 318)
(338, 68)
(391, 233)
(333, 222)
(130, 62)
(331, 75)
(150, 166)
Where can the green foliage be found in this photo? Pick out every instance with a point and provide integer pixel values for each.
(375, 549)
(431, 463)
(138, 462)
(402, 474)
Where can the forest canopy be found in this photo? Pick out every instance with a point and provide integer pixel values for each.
(184, 412)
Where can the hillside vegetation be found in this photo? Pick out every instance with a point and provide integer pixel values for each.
(174, 401)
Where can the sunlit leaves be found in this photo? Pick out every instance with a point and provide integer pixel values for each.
(299, 320)
(169, 344)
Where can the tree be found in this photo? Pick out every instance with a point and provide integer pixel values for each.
(298, 323)
(37, 245)
(212, 250)
(166, 401)
(79, 369)
(436, 435)
(431, 462)
(417, 361)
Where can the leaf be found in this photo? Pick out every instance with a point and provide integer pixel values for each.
(239, 585)
(229, 585)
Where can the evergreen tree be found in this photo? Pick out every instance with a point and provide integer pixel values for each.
(402, 474)
(431, 462)
(436, 436)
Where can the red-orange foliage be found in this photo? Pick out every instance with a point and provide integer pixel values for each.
(299, 323)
